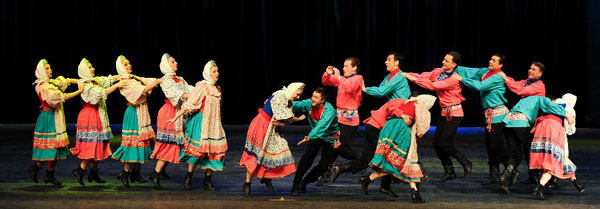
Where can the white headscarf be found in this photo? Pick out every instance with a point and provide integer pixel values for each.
(165, 68)
(206, 72)
(121, 68)
(40, 72)
(422, 114)
(293, 87)
(569, 100)
(84, 71)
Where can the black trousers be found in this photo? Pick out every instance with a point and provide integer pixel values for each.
(346, 134)
(495, 144)
(328, 155)
(518, 141)
(443, 141)
(362, 162)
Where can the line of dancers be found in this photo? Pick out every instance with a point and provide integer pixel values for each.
(189, 128)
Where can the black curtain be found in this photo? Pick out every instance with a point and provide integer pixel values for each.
(264, 44)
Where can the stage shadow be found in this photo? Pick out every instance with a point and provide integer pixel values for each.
(40, 188)
(95, 188)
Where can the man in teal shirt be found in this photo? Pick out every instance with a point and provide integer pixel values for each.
(491, 89)
(324, 135)
(519, 122)
(394, 85)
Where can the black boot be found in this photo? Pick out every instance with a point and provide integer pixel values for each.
(416, 196)
(78, 174)
(163, 173)
(33, 172)
(50, 178)
(267, 183)
(93, 176)
(155, 178)
(538, 192)
(337, 170)
(247, 189)
(187, 183)
(295, 189)
(208, 183)
(324, 178)
(124, 177)
(533, 177)
(467, 166)
(505, 178)
(449, 174)
(578, 186)
(302, 187)
(136, 176)
(388, 191)
(515, 177)
(425, 177)
(494, 173)
(365, 181)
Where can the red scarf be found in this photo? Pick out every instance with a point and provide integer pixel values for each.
(317, 112)
(392, 74)
(175, 79)
(491, 73)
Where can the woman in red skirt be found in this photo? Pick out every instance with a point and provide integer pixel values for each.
(169, 136)
(549, 148)
(93, 128)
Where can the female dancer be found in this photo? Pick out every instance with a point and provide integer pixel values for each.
(137, 130)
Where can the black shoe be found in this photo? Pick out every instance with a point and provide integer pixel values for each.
(538, 192)
(50, 178)
(33, 172)
(425, 177)
(124, 177)
(449, 174)
(365, 181)
(515, 177)
(324, 178)
(416, 196)
(467, 166)
(337, 170)
(388, 191)
(78, 174)
(267, 183)
(494, 173)
(136, 176)
(155, 178)
(208, 183)
(505, 178)
(302, 187)
(578, 186)
(163, 173)
(295, 189)
(246, 189)
(93, 176)
(187, 183)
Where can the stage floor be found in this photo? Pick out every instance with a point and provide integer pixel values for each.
(17, 190)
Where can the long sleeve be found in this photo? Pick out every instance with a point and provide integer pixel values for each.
(301, 107)
(93, 94)
(535, 89)
(322, 125)
(385, 89)
(104, 81)
(330, 80)
(194, 102)
(133, 92)
(61, 82)
(51, 95)
(421, 75)
(471, 73)
(279, 105)
(446, 84)
(493, 82)
(174, 91)
(547, 106)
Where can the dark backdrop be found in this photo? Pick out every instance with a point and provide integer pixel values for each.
(262, 45)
